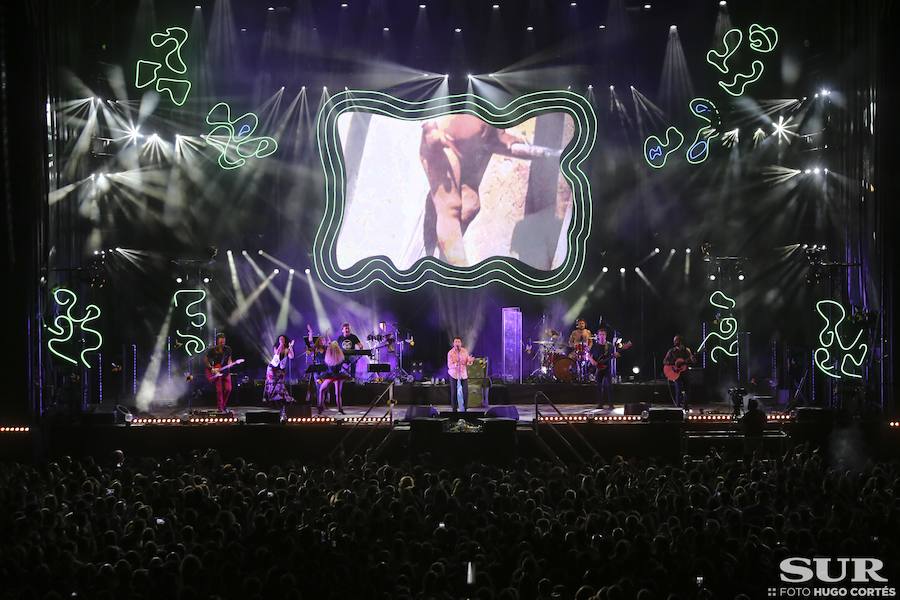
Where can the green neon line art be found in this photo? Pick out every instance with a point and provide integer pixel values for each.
(226, 132)
(721, 300)
(656, 152)
(428, 269)
(698, 109)
(707, 133)
(732, 41)
(193, 345)
(147, 71)
(728, 327)
(187, 307)
(762, 39)
(64, 326)
(830, 339)
(177, 36)
(737, 89)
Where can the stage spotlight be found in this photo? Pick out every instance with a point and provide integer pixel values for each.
(496, 6)
(635, 369)
(468, 76)
(573, 4)
(244, 252)
(601, 27)
(622, 270)
(656, 251)
(243, 30)
(385, 28)
(259, 252)
(421, 6)
(605, 269)
(687, 250)
(306, 270)
(446, 75)
(673, 28)
(458, 30)
(816, 170)
(740, 276)
(825, 171)
(344, 5)
(276, 271)
(206, 280)
(197, 6)
(178, 280)
(590, 87)
(807, 171)
(712, 277)
(529, 28)
(722, 3)
(647, 7)
(826, 92)
(96, 252)
(271, 8)
(612, 88)
(291, 271)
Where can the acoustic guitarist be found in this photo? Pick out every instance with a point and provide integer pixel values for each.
(675, 366)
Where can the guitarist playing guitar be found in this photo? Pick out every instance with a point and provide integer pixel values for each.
(218, 361)
(675, 366)
(602, 352)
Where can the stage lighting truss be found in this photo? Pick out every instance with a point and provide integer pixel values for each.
(840, 354)
(506, 271)
(64, 325)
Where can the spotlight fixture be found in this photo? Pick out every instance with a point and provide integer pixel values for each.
(687, 250)
(496, 6)
(601, 27)
(647, 7)
(622, 270)
(807, 171)
(259, 252)
(712, 277)
(529, 28)
(197, 6)
(271, 8)
(344, 5)
(458, 30)
(468, 76)
(385, 29)
(291, 271)
(740, 276)
(635, 369)
(276, 271)
(306, 270)
(421, 6)
(656, 251)
(673, 28)
(605, 269)
(243, 30)
(816, 170)
(825, 92)
(179, 280)
(590, 87)
(206, 280)
(723, 3)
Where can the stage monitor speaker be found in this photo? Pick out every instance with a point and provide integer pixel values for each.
(497, 394)
(262, 416)
(298, 411)
(637, 408)
(814, 414)
(665, 415)
(420, 412)
(106, 415)
(503, 412)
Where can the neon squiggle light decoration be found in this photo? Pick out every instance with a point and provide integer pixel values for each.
(429, 269)
(197, 319)
(728, 328)
(762, 40)
(147, 71)
(232, 137)
(831, 341)
(63, 327)
(656, 152)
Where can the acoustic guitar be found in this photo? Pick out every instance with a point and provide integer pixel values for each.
(673, 372)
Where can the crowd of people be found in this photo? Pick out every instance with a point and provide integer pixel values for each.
(201, 526)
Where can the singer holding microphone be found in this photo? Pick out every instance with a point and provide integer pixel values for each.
(458, 361)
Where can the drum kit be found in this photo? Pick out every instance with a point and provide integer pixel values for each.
(392, 343)
(559, 362)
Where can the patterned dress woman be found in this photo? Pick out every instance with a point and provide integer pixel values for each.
(334, 358)
(276, 373)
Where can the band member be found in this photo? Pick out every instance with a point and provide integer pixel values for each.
(276, 373)
(348, 340)
(315, 346)
(455, 152)
(217, 357)
(580, 341)
(458, 361)
(677, 352)
(601, 353)
(334, 358)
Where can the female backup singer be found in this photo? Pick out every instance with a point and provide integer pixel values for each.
(334, 358)
(276, 391)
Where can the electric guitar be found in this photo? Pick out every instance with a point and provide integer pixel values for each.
(602, 363)
(216, 371)
(673, 372)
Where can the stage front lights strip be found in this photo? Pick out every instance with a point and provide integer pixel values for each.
(762, 40)
(728, 328)
(430, 270)
(835, 356)
(233, 138)
(193, 345)
(147, 71)
(64, 325)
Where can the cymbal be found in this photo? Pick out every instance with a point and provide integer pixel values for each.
(545, 342)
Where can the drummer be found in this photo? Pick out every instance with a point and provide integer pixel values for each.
(579, 340)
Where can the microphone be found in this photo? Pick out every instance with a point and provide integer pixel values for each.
(520, 150)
